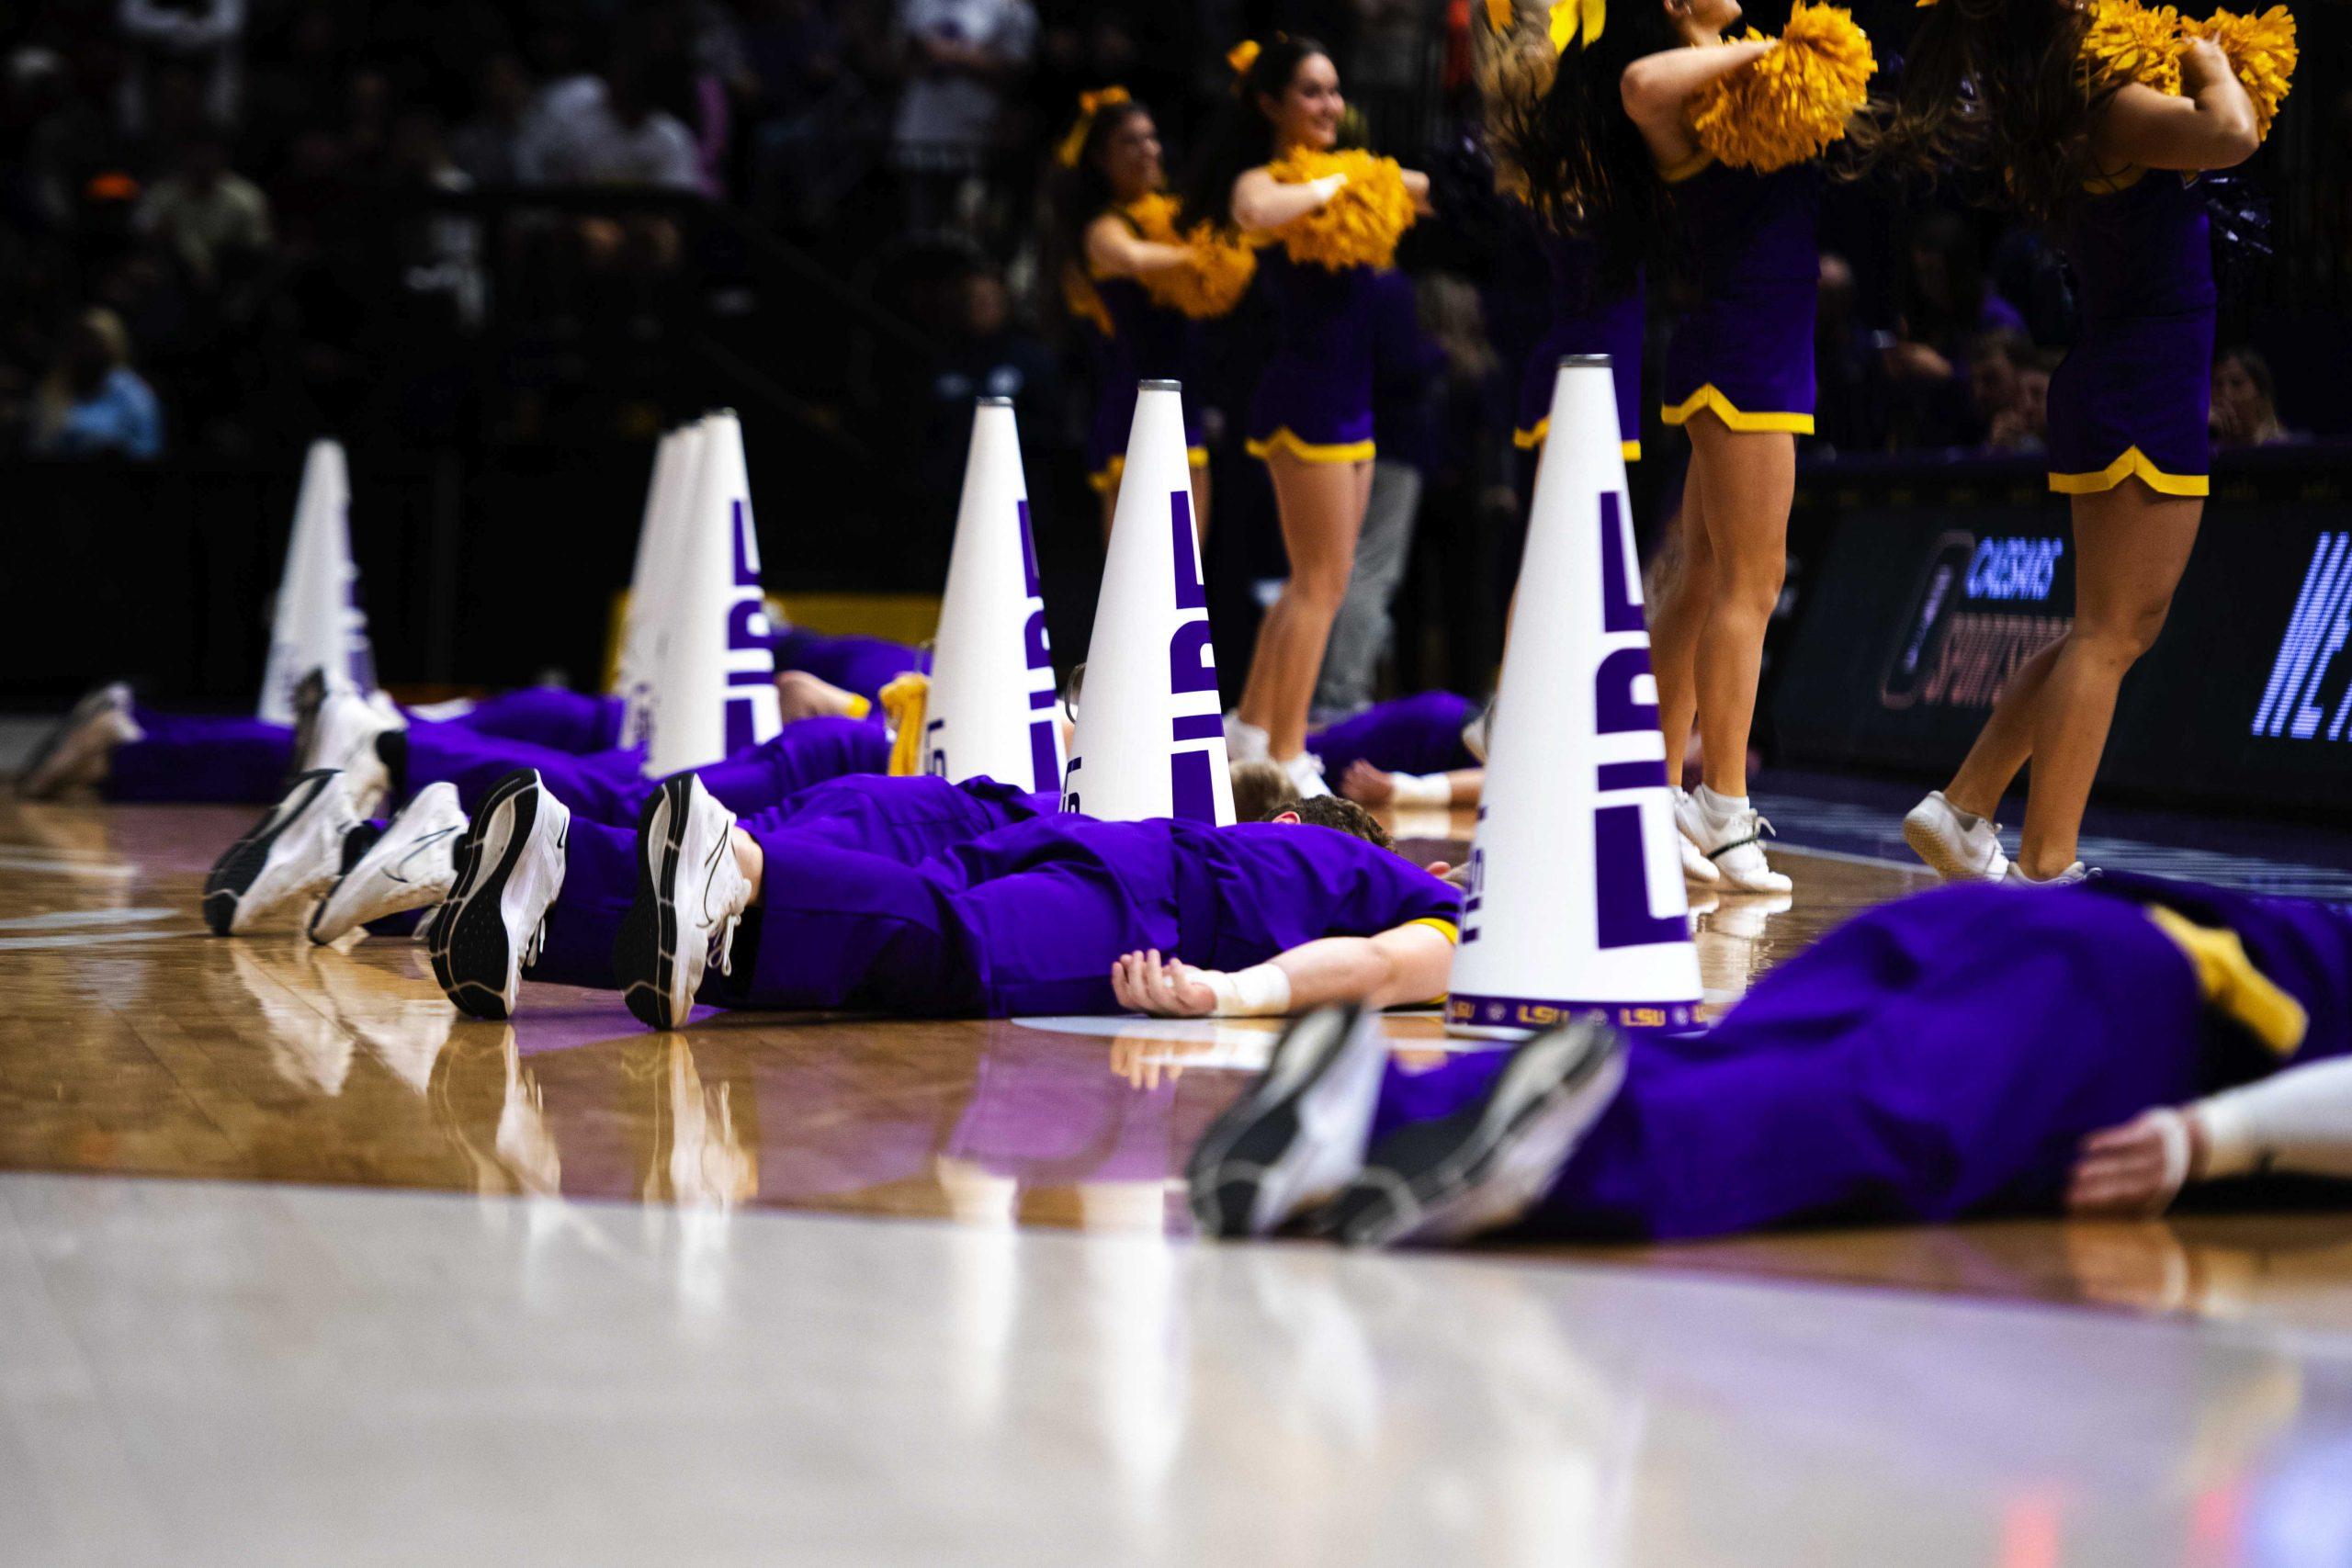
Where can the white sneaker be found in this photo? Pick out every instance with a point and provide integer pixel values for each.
(2075, 873)
(1245, 742)
(410, 865)
(1297, 1135)
(1697, 869)
(1960, 847)
(363, 740)
(508, 869)
(75, 753)
(1478, 731)
(293, 853)
(1306, 774)
(690, 896)
(1734, 842)
(1484, 1167)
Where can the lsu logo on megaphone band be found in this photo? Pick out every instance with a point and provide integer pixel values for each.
(1192, 669)
(751, 662)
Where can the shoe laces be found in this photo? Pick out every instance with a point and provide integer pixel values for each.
(722, 944)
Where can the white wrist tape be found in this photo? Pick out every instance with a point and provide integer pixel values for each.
(1422, 789)
(1260, 992)
(2232, 1148)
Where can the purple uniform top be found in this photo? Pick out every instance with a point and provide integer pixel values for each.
(1587, 317)
(1744, 349)
(1148, 342)
(1940, 1056)
(1030, 919)
(2131, 399)
(1314, 398)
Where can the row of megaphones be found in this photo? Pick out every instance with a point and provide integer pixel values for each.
(1575, 900)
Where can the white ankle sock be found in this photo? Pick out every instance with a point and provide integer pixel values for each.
(1719, 806)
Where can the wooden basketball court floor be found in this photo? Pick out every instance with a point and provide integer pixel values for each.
(298, 1266)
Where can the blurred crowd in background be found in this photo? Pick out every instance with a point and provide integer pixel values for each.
(226, 224)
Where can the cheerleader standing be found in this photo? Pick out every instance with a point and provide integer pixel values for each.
(1135, 285)
(1736, 131)
(1326, 220)
(2097, 120)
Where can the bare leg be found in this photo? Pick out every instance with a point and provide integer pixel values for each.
(1685, 569)
(2007, 739)
(1746, 483)
(1321, 505)
(2131, 546)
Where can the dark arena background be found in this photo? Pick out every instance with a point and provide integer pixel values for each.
(298, 1264)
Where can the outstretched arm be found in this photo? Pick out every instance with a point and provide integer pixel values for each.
(1262, 201)
(2299, 1121)
(1112, 251)
(1408, 964)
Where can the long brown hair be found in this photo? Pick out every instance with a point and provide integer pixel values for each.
(1995, 91)
(1563, 132)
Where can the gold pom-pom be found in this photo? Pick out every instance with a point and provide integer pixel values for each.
(1792, 102)
(1218, 274)
(1083, 303)
(2131, 43)
(2261, 51)
(1358, 227)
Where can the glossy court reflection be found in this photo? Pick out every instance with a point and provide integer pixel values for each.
(133, 1045)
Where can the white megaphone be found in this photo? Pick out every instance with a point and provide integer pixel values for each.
(715, 693)
(1576, 904)
(1150, 733)
(990, 708)
(317, 623)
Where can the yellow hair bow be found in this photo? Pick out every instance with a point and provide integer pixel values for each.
(1089, 106)
(1242, 56)
(1570, 18)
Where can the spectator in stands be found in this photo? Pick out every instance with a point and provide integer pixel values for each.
(92, 403)
(2024, 426)
(615, 135)
(1945, 305)
(489, 145)
(1995, 361)
(206, 36)
(206, 216)
(963, 59)
(2245, 405)
(1850, 379)
(802, 101)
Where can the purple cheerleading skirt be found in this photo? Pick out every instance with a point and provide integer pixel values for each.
(2132, 400)
(1745, 356)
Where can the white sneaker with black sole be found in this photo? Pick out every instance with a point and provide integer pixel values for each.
(1697, 869)
(1296, 1137)
(2074, 874)
(1734, 841)
(293, 853)
(508, 869)
(409, 865)
(1484, 1167)
(365, 741)
(690, 896)
(75, 751)
(1959, 846)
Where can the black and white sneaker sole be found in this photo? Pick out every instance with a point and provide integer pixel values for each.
(233, 874)
(1241, 1161)
(61, 746)
(645, 952)
(1483, 1167)
(471, 951)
